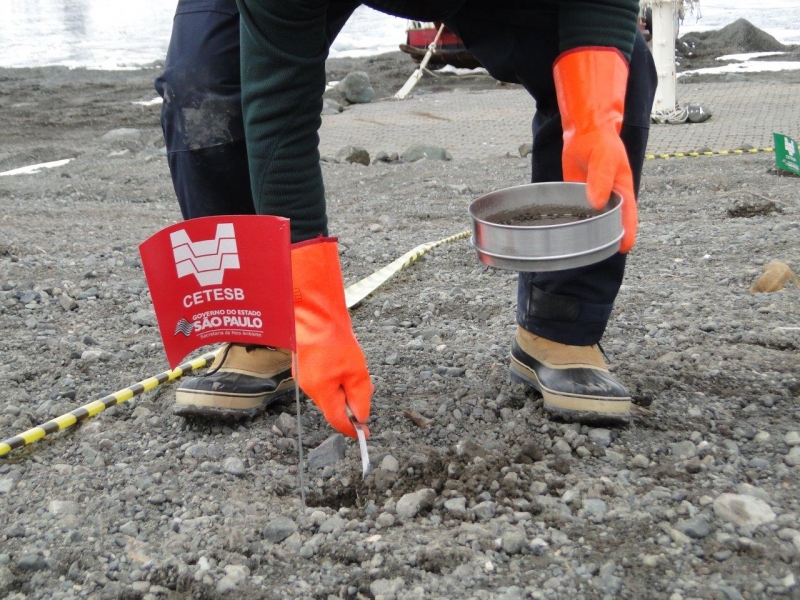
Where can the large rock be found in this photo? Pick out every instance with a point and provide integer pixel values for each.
(328, 452)
(356, 88)
(420, 151)
(743, 511)
(410, 505)
(353, 154)
(124, 134)
(279, 529)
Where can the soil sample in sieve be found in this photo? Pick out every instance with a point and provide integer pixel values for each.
(542, 215)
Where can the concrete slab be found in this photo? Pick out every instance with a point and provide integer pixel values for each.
(492, 123)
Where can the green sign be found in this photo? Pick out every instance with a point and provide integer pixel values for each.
(787, 154)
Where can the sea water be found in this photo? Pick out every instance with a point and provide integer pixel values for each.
(117, 34)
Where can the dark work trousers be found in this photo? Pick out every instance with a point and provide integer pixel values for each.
(571, 306)
(202, 112)
(203, 129)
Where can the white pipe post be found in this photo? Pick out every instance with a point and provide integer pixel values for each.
(665, 14)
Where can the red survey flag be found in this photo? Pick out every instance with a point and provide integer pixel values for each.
(221, 279)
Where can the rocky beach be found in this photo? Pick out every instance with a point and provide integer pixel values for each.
(474, 492)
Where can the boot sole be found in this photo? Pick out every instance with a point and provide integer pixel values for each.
(227, 407)
(581, 409)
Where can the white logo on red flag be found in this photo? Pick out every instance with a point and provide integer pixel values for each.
(207, 260)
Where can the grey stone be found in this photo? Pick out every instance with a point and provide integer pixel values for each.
(525, 149)
(485, 510)
(385, 157)
(63, 507)
(561, 447)
(328, 452)
(387, 588)
(456, 506)
(392, 358)
(331, 107)
(234, 466)
(356, 88)
(685, 449)
(234, 576)
(792, 438)
(600, 436)
(31, 562)
(124, 134)
(385, 520)
(67, 303)
(743, 511)
(594, 507)
(353, 154)
(91, 356)
(285, 425)
(145, 318)
(279, 529)
(7, 484)
(410, 505)
(333, 524)
(697, 527)
(389, 463)
(420, 151)
(698, 113)
(640, 461)
(538, 546)
(793, 458)
(513, 541)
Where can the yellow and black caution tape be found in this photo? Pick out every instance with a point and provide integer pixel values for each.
(98, 406)
(354, 294)
(709, 153)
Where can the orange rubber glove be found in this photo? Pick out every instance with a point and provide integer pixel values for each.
(332, 368)
(591, 84)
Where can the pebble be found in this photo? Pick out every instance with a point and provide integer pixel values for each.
(389, 463)
(278, 529)
(234, 466)
(410, 505)
(31, 562)
(525, 149)
(485, 510)
(7, 485)
(793, 458)
(594, 507)
(513, 542)
(742, 510)
(234, 576)
(600, 436)
(356, 88)
(285, 425)
(792, 438)
(330, 451)
(697, 527)
(420, 151)
(67, 303)
(63, 507)
(387, 588)
(685, 449)
(640, 461)
(456, 506)
(353, 155)
(123, 134)
(538, 546)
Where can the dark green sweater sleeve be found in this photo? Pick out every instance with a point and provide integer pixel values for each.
(283, 51)
(598, 23)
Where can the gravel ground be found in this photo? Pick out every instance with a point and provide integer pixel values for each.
(479, 496)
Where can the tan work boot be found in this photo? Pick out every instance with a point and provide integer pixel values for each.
(573, 380)
(242, 381)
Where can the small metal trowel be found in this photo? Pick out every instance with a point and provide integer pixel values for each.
(366, 466)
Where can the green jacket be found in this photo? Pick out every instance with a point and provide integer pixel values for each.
(284, 44)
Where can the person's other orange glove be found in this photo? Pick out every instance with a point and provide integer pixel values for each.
(591, 84)
(332, 368)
